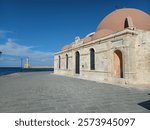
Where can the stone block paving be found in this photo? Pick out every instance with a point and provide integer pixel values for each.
(42, 92)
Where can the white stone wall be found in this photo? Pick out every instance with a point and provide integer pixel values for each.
(135, 48)
(143, 57)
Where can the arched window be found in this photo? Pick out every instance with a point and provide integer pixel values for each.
(118, 64)
(59, 62)
(66, 61)
(77, 62)
(92, 59)
(128, 22)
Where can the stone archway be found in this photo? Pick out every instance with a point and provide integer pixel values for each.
(118, 64)
(77, 63)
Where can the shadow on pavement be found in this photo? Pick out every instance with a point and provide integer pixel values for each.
(145, 104)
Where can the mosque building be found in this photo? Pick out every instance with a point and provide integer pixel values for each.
(117, 52)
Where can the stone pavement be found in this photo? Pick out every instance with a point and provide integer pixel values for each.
(45, 92)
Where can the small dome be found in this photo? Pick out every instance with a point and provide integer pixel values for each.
(67, 47)
(102, 33)
(115, 21)
(90, 34)
(87, 39)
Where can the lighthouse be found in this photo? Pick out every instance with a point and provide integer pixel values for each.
(27, 65)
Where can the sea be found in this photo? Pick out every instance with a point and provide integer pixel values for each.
(10, 70)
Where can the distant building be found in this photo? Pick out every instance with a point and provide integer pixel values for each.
(27, 65)
(118, 52)
(38, 67)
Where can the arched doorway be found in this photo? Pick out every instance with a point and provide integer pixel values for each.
(118, 64)
(77, 62)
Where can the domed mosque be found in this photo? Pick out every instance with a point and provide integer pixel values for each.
(117, 52)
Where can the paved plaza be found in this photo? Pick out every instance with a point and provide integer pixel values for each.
(42, 92)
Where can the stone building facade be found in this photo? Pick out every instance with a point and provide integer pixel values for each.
(118, 52)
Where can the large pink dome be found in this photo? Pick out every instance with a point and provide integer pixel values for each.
(115, 20)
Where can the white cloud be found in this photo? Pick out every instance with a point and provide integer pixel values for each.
(14, 49)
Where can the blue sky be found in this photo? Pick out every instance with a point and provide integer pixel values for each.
(39, 28)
